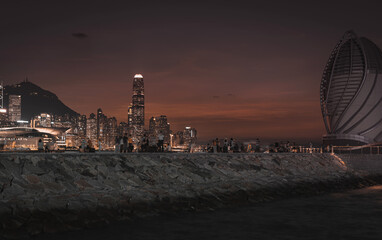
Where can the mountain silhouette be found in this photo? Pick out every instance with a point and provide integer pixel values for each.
(35, 100)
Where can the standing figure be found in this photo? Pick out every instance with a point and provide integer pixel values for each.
(160, 141)
(40, 145)
(83, 145)
(215, 146)
(125, 146)
(121, 144)
(116, 148)
(130, 141)
(225, 146)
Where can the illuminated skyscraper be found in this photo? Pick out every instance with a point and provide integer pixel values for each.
(91, 128)
(159, 125)
(189, 135)
(42, 120)
(110, 133)
(129, 120)
(100, 120)
(1, 96)
(81, 126)
(351, 93)
(138, 108)
(3, 111)
(123, 129)
(14, 108)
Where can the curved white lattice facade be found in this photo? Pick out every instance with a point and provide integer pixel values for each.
(351, 92)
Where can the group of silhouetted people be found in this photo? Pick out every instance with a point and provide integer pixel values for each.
(225, 146)
(124, 144)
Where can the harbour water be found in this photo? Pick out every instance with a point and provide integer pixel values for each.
(354, 214)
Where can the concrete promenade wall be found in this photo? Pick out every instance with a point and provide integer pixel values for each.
(55, 192)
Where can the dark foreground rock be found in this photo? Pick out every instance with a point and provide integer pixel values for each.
(60, 192)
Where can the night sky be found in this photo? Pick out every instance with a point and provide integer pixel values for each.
(241, 69)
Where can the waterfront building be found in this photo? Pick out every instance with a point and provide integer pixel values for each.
(177, 138)
(14, 108)
(27, 138)
(3, 116)
(138, 106)
(42, 120)
(189, 135)
(3, 111)
(122, 129)
(351, 93)
(91, 128)
(81, 126)
(129, 120)
(159, 125)
(110, 133)
(101, 122)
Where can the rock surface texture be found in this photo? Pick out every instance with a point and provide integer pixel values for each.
(58, 192)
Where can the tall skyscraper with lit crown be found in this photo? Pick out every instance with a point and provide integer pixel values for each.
(138, 106)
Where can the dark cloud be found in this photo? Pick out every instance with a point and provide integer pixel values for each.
(79, 35)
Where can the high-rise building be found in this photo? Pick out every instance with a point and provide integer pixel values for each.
(123, 129)
(351, 93)
(189, 135)
(3, 116)
(110, 133)
(14, 108)
(159, 125)
(81, 126)
(129, 120)
(42, 120)
(101, 119)
(1, 96)
(3, 111)
(138, 106)
(91, 129)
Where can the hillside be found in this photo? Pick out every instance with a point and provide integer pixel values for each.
(35, 100)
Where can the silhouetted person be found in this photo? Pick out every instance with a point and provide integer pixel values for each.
(90, 146)
(147, 144)
(130, 142)
(160, 141)
(83, 145)
(218, 145)
(225, 146)
(40, 145)
(116, 145)
(125, 146)
(121, 144)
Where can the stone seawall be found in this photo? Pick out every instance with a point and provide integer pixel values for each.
(56, 192)
(363, 163)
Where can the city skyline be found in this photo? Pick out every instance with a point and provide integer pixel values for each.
(241, 70)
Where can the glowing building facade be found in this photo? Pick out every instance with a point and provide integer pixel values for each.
(351, 93)
(159, 125)
(14, 108)
(91, 128)
(138, 106)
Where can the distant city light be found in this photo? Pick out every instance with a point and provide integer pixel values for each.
(22, 121)
(3, 110)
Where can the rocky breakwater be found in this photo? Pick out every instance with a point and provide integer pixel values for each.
(57, 192)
